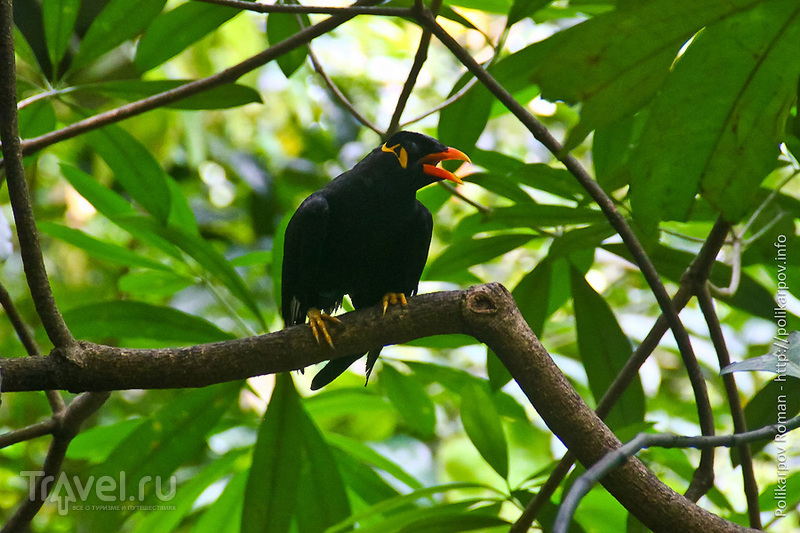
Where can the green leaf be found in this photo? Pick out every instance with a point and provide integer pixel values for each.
(119, 21)
(96, 443)
(784, 359)
(281, 26)
(717, 123)
(524, 8)
(501, 7)
(463, 254)
(174, 31)
(411, 401)
(115, 208)
(139, 320)
(221, 97)
(154, 283)
(614, 63)
(498, 373)
(386, 507)
(143, 462)
(134, 168)
(320, 469)
(59, 21)
(100, 249)
(217, 518)
(762, 411)
(367, 455)
(603, 360)
(751, 297)
(462, 122)
(482, 424)
(270, 498)
(202, 252)
(36, 119)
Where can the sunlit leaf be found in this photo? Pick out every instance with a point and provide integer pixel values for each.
(281, 26)
(135, 168)
(119, 21)
(97, 248)
(594, 320)
(172, 32)
(482, 424)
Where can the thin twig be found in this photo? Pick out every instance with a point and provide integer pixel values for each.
(642, 441)
(736, 272)
(419, 59)
(352, 10)
(26, 337)
(737, 413)
(339, 95)
(67, 426)
(39, 429)
(451, 100)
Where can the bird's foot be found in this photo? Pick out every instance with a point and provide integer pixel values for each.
(393, 298)
(317, 319)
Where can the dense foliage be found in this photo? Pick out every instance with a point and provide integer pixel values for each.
(164, 230)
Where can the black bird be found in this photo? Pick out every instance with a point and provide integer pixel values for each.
(364, 234)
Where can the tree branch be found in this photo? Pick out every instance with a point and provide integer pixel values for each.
(228, 75)
(486, 312)
(32, 259)
(606, 205)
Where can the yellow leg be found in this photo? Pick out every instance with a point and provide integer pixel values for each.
(393, 298)
(317, 319)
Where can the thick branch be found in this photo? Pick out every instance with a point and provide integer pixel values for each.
(486, 312)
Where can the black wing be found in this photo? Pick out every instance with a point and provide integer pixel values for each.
(302, 259)
(416, 246)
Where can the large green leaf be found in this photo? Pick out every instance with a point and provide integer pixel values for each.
(139, 320)
(217, 518)
(119, 21)
(202, 252)
(717, 123)
(462, 122)
(604, 350)
(172, 32)
(615, 62)
(220, 97)
(97, 248)
(410, 399)
(320, 469)
(281, 26)
(366, 455)
(752, 297)
(482, 424)
(141, 465)
(463, 254)
(270, 498)
(59, 21)
(135, 168)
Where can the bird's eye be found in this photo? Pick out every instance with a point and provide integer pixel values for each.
(399, 152)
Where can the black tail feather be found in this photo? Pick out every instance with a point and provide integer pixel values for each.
(336, 367)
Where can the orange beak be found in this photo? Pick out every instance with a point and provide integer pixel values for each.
(429, 163)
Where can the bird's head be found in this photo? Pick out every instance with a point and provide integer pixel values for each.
(419, 154)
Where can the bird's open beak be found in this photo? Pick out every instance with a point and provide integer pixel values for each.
(429, 163)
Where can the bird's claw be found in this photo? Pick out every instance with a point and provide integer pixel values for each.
(393, 298)
(317, 319)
